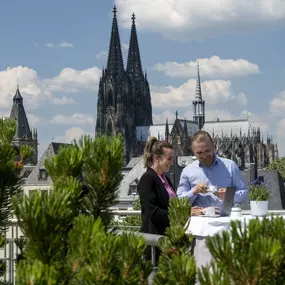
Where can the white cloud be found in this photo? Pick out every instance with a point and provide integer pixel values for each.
(277, 104)
(197, 19)
(125, 47)
(71, 134)
(213, 67)
(4, 113)
(33, 120)
(102, 54)
(75, 119)
(211, 115)
(36, 91)
(221, 114)
(50, 45)
(71, 80)
(257, 120)
(160, 117)
(66, 45)
(213, 92)
(30, 87)
(242, 99)
(60, 45)
(63, 101)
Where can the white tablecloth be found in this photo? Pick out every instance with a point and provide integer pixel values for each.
(209, 226)
(202, 227)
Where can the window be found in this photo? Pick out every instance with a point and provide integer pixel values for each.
(43, 174)
(133, 187)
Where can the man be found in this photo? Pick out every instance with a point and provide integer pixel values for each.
(209, 171)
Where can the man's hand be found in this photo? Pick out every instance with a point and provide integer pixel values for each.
(196, 211)
(200, 188)
(221, 193)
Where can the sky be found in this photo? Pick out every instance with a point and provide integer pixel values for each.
(56, 51)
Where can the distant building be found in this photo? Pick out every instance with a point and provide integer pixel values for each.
(124, 97)
(124, 106)
(39, 178)
(24, 135)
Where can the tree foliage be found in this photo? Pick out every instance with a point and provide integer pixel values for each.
(176, 264)
(279, 165)
(12, 159)
(67, 241)
(67, 236)
(252, 255)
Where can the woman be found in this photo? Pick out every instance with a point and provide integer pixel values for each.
(155, 189)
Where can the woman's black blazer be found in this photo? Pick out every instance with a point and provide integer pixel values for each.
(154, 203)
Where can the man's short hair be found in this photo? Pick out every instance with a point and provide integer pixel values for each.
(200, 136)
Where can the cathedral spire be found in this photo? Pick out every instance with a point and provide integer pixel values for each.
(166, 130)
(23, 134)
(198, 85)
(18, 113)
(198, 103)
(115, 65)
(185, 129)
(134, 65)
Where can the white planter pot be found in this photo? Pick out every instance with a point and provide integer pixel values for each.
(259, 208)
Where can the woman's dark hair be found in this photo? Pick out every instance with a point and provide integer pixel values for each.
(154, 147)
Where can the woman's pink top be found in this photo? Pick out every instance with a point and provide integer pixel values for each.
(167, 186)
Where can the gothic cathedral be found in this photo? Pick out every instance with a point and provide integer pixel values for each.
(124, 100)
(124, 106)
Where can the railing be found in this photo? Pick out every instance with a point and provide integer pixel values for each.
(9, 252)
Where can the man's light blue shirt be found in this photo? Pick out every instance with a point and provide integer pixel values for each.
(222, 174)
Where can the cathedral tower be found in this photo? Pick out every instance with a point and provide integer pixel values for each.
(123, 96)
(199, 104)
(24, 135)
(139, 82)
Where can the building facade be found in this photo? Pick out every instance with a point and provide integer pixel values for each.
(124, 100)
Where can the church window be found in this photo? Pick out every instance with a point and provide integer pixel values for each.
(109, 128)
(178, 141)
(110, 98)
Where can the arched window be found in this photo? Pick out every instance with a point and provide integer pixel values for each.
(109, 128)
(119, 125)
(110, 98)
